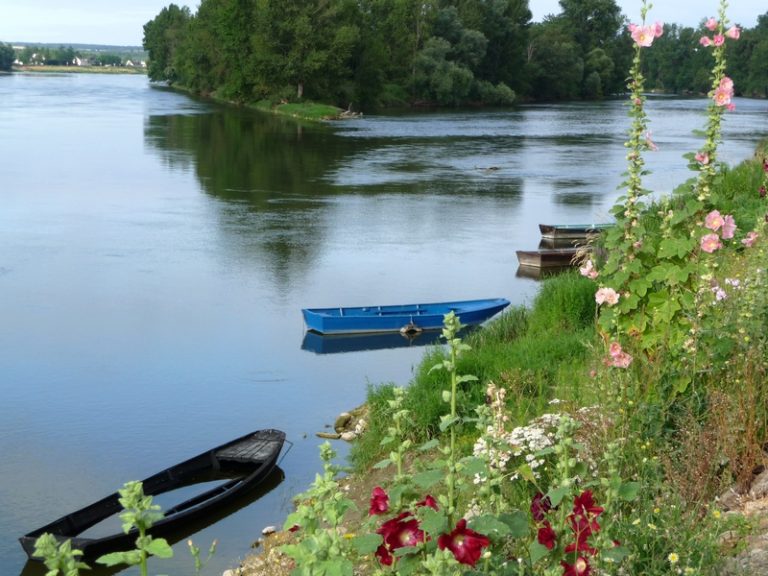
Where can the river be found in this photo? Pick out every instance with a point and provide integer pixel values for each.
(156, 250)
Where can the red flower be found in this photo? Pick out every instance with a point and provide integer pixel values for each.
(403, 530)
(762, 191)
(428, 501)
(466, 545)
(546, 536)
(379, 501)
(540, 505)
(579, 568)
(585, 504)
(582, 528)
(384, 556)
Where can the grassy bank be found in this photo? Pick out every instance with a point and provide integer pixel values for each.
(302, 110)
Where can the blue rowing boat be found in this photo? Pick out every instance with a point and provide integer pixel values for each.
(405, 318)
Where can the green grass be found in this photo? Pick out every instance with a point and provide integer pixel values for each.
(303, 110)
(534, 353)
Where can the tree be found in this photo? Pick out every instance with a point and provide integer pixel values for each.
(7, 56)
(162, 37)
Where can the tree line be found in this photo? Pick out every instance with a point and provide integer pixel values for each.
(385, 53)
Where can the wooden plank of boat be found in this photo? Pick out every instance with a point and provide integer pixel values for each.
(571, 231)
(244, 463)
(547, 258)
(404, 318)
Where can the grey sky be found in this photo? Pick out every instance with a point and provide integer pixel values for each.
(110, 22)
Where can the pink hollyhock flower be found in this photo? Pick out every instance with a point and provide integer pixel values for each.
(750, 239)
(705, 41)
(730, 107)
(711, 24)
(714, 220)
(718, 40)
(466, 544)
(588, 270)
(649, 142)
(643, 35)
(729, 227)
(579, 568)
(379, 501)
(727, 84)
(546, 536)
(722, 96)
(540, 505)
(733, 32)
(710, 243)
(606, 296)
(658, 29)
(618, 358)
(702, 158)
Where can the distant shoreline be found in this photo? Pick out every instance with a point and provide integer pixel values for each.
(80, 69)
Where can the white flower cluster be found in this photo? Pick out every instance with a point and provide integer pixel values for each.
(522, 442)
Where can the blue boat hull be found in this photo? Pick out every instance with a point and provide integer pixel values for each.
(403, 318)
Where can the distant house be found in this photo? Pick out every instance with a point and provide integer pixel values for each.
(77, 61)
(129, 63)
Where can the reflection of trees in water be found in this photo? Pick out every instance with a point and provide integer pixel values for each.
(268, 170)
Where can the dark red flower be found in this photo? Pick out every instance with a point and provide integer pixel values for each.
(585, 504)
(765, 165)
(294, 528)
(379, 501)
(579, 568)
(762, 191)
(384, 556)
(546, 536)
(428, 501)
(540, 505)
(403, 530)
(582, 528)
(466, 544)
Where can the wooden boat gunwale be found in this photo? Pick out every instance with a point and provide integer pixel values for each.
(571, 231)
(248, 474)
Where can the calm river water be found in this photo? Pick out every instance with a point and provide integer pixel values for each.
(155, 252)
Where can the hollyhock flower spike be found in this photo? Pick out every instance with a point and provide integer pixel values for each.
(710, 243)
(379, 502)
(714, 220)
(711, 24)
(466, 544)
(733, 32)
(617, 357)
(729, 227)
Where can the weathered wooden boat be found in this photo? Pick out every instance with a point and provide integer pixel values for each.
(404, 318)
(571, 231)
(242, 464)
(547, 257)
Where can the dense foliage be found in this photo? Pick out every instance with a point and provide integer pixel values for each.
(6, 56)
(372, 53)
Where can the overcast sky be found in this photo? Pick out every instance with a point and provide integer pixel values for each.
(121, 22)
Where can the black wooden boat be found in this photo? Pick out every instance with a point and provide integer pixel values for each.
(244, 463)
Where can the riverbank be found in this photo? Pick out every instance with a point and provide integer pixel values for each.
(655, 459)
(79, 70)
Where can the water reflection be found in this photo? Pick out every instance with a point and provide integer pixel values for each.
(335, 343)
